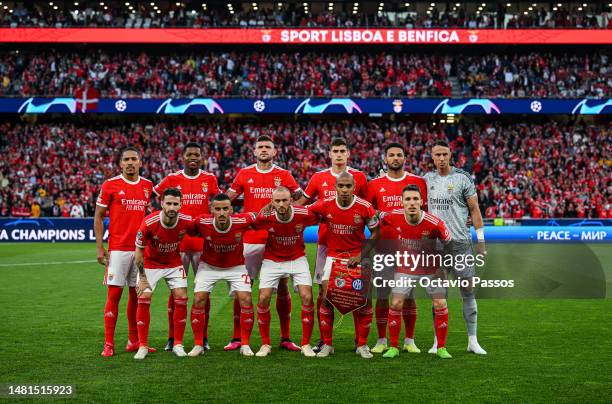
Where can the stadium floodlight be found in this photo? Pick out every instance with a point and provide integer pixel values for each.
(50, 3)
(584, 4)
(457, 4)
(432, 4)
(406, 4)
(525, 12)
(509, 5)
(484, 4)
(5, 7)
(101, 3)
(530, 8)
(558, 4)
(127, 3)
(76, 3)
(579, 8)
(554, 8)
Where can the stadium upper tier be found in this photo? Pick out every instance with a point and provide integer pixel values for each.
(359, 73)
(520, 169)
(199, 14)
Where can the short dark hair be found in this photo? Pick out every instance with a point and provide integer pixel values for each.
(412, 187)
(127, 149)
(171, 192)
(395, 144)
(338, 141)
(442, 143)
(194, 145)
(220, 198)
(264, 138)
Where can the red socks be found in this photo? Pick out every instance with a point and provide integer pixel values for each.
(170, 316)
(197, 324)
(131, 315)
(111, 311)
(283, 308)
(263, 320)
(179, 320)
(395, 327)
(143, 319)
(319, 301)
(382, 313)
(356, 323)
(326, 323)
(441, 325)
(410, 316)
(247, 318)
(237, 334)
(307, 323)
(206, 317)
(365, 323)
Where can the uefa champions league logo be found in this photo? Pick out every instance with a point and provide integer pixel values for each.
(259, 105)
(349, 106)
(209, 104)
(583, 108)
(536, 106)
(120, 105)
(485, 104)
(28, 106)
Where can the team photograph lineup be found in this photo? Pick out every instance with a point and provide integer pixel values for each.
(158, 232)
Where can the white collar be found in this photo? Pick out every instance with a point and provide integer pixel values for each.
(420, 220)
(222, 231)
(264, 172)
(397, 179)
(191, 178)
(348, 207)
(290, 217)
(128, 181)
(161, 221)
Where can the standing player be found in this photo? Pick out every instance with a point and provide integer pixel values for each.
(415, 232)
(157, 257)
(257, 182)
(385, 194)
(346, 216)
(322, 185)
(197, 187)
(285, 256)
(126, 197)
(222, 260)
(452, 198)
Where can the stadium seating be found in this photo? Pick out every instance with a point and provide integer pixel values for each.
(307, 73)
(522, 169)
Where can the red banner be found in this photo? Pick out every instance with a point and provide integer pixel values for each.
(304, 36)
(348, 286)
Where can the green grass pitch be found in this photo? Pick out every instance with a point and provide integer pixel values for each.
(540, 349)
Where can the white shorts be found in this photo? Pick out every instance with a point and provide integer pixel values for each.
(120, 269)
(175, 277)
(253, 257)
(433, 292)
(207, 276)
(319, 268)
(327, 267)
(272, 272)
(191, 257)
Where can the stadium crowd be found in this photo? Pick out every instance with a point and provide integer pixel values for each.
(319, 74)
(197, 15)
(521, 169)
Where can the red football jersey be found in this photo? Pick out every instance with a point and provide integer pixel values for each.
(322, 185)
(385, 193)
(127, 203)
(285, 239)
(224, 249)
(345, 226)
(197, 192)
(416, 239)
(257, 187)
(161, 243)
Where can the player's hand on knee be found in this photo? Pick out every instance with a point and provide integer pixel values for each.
(143, 285)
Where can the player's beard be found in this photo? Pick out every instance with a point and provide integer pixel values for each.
(266, 160)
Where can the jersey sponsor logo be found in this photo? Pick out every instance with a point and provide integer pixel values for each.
(441, 203)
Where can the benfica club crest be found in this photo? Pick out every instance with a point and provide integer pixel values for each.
(357, 218)
(181, 234)
(205, 187)
(425, 234)
(266, 35)
(146, 193)
(299, 228)
(277, 181)
(238, 236)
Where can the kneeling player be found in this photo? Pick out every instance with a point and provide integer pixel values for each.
(285, 256)
(415, 231)
(157, 257)
(222, 260)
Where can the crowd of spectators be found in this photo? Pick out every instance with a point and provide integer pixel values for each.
(198, 15)
(521, 169)
(318, 74)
